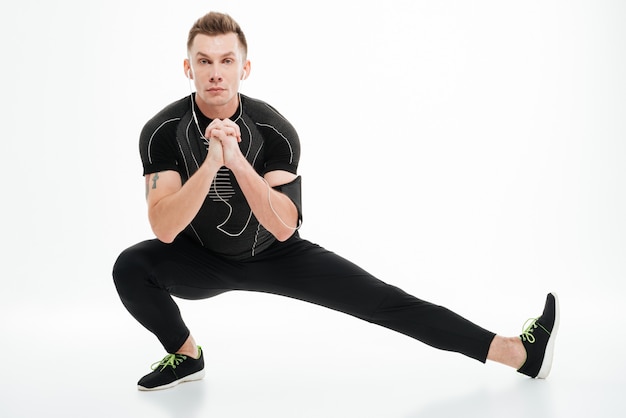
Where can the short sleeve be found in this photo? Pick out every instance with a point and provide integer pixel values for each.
(282, 143)
(157, 145)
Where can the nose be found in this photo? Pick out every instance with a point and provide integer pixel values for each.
(216, 75)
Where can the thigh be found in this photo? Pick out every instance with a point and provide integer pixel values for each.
(183, 268)
(306, 271)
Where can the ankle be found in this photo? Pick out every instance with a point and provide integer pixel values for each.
(189, 348)
(518, 353)
(508, 351)
(194, 354)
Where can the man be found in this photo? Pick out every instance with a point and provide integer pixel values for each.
(223, 199)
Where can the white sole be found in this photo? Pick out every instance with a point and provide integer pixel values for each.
(195, 376)
(546, 365)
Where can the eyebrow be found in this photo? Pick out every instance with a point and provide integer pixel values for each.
(227, 54)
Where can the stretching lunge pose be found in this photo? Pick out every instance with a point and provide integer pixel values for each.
(224, 202)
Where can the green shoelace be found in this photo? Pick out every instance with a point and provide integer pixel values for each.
(527, 333)
(171, 360)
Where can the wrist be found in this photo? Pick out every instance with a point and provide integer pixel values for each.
(238, 164)
(209, 168)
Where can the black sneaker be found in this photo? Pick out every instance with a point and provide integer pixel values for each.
(538, 339)
(172, 370)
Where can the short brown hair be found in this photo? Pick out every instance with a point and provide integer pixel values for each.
(214, 23)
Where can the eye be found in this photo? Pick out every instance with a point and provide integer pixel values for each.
(204, 61)
(229, 61)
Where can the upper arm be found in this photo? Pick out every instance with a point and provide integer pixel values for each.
(288, 184)
(279, 177)
(160, 185)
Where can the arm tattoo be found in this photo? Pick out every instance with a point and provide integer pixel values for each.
(154, 180)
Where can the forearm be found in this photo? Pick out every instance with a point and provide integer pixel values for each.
(172, 213)
(275, 211)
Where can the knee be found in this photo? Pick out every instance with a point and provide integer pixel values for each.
(130, 268)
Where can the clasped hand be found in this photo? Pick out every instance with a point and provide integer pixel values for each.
(224, 136)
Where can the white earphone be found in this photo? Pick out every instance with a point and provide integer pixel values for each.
(190, 69)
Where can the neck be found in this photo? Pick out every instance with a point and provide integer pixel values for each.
(218, 111)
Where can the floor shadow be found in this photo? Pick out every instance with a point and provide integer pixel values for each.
(185, 400)
(524, 398)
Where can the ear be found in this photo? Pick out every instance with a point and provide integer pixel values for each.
(246, 70)
(187, 68)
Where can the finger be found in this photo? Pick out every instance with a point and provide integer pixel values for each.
(233, 125)
(218, 134)
(229, 131)
(215, 124)
(225, 132)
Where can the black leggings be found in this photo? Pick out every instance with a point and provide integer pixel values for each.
(147, 274)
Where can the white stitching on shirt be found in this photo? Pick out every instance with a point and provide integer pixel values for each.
(154, 133)
(282, 136)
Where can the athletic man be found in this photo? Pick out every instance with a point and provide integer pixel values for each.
(224, 202)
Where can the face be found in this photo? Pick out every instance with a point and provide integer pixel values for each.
(217, 67)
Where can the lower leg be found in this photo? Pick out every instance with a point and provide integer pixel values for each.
(508, 351)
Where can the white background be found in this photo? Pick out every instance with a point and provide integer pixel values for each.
(471, 153)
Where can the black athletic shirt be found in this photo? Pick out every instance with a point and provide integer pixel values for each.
(225, 224)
